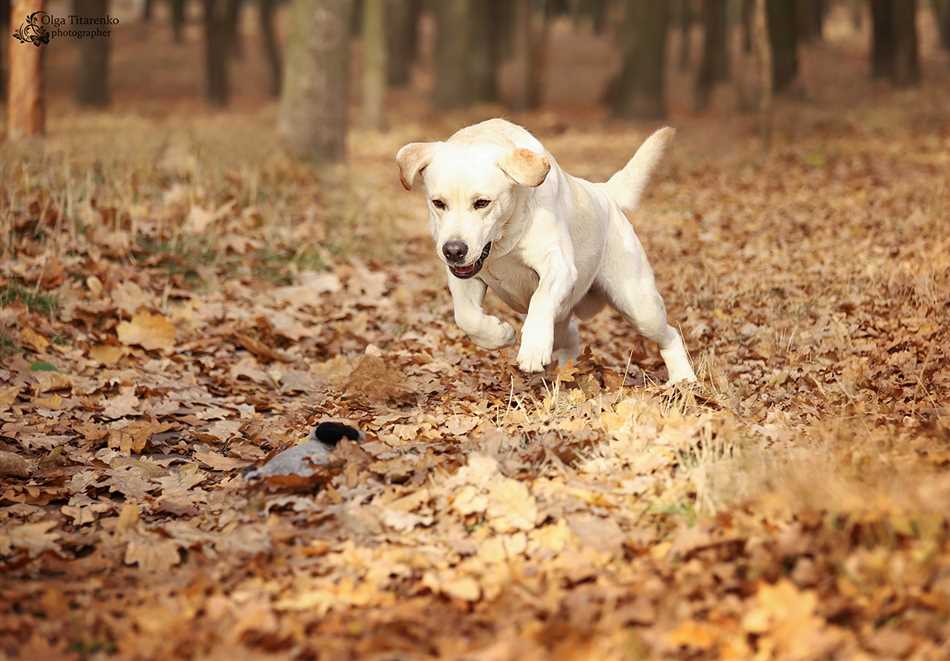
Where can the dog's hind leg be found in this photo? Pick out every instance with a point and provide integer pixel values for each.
(627, 281)
(567, 341)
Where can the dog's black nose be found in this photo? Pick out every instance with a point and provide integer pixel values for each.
(455, 251)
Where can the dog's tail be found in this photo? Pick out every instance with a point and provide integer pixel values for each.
(627, 186)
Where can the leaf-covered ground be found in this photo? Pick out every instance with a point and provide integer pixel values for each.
(184, 302)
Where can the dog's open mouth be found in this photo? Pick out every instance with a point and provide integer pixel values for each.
(465, 272)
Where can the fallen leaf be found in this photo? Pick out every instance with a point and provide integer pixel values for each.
(150, 331)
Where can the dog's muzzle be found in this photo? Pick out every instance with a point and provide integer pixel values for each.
(466, 272)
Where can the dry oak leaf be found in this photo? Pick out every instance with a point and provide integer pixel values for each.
(151, 553)
(511, 506)
(129, 297)
(785, 617)
(35, 538)
(122, 405)
(34, 340)
(465, 588)
(13, 465)
(8, 395)
(150, 331)
(219, 462)
(693, 634)
(106, 354)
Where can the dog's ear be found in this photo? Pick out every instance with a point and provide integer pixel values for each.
(526, 167)
(413, 159)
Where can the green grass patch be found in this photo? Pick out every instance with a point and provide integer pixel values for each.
(43, 303)
(42, 366)
(7, 344)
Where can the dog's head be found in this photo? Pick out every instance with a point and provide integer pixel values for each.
(472, 191)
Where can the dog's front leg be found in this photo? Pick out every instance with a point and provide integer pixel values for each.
(485, 330)
(556, 276)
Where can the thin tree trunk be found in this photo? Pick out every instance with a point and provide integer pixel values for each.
(521, 54)
(486, 50)
(235, 40)
(763, 58)
(539, 56)
(686, 22)
(178, 15)
(26, 109)
(266, 9)
(941, 10)
(642, 85)
(312, 120)
(882, 39)
(748, 16)
(92, 75)
(217, 52)
(810, 17)
(856, 8)
(374, 63)
(402, 29)
(453, 73)
(783, 38)
(599, 11)
(714, 67)
(8, 29)
(147, 7)
(906, 47)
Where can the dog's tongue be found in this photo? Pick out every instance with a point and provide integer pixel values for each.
(464, 270)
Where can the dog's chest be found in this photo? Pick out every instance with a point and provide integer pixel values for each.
(512, 281)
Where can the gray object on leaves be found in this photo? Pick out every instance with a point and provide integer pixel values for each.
(310, 456)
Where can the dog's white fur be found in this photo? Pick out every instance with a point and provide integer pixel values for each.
(561, 246)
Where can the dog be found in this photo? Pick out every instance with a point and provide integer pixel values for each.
(552, 246)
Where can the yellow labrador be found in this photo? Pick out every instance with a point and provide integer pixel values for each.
(552, 246)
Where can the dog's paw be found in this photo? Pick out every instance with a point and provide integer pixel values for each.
(494, 335)
(534, 358)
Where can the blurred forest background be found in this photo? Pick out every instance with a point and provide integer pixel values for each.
(205, 250)
(638, 59)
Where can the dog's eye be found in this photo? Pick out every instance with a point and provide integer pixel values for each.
(439, 204)
(481, 203)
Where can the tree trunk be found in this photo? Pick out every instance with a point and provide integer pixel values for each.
(529, 46)
(235, 40)
(402, 44)
(942, 15)
(906, 48)
(763, 57)
(374, 63)
(266, 10)
(92, 76)
(783, 38)
(641, 88)
(26, 108)
(178, 14)
(686, 23)
(486, 50)
(810, 17)
(5, 24)
(714, 67)
(147, 7)
(217, 52)
(312, 120)
(452, 87)
(856, 8)
(539, 55)
(748, 17)
(882, 39)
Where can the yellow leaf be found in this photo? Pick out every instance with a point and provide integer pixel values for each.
(150, 331)
(34, 340)
(697, 635)
(106, 354)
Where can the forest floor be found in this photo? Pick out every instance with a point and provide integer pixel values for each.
(179, 302)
